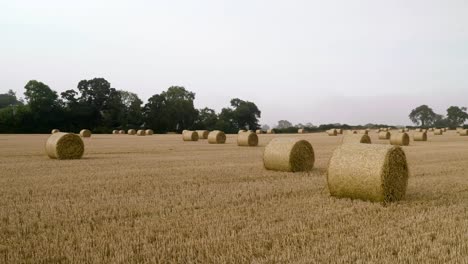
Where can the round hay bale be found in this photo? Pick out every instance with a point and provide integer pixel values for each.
(420, 136)
(406, 130)
(289, 154)
(463, 132)
(55, 131)
(64, 146)
(131, 132)
(377, 173)
(188, 135)
(384, 135)
(270, 131)
(399, 139)
(431, 129)
(418, 130)
(377, 130)
(149, 132)
(357, 138)
(363, 132)
(141, 132)
(247, 139)
(218, 137)
(85, 133)
(332, 132)
(203, 134)
(115, 131)
(339, 131)
(402, 130)
(122, 132)
(438, 132)
(301, 131)
(241, 131)
(259, 131)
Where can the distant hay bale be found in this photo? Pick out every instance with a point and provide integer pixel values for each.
(444, 129)
(357, 138)
(463, 132)
(431, 129)
(64, 146)
(55, 131)
(188, 135)
(131, 132)
(149, 132)
(122, 132)
(115, 131)
(141, 132)
(332, 132)
(289, 154)
(377, 173)
(247, 139)
(270, 131)
(377, 130)
(364, 132)
(339, 131)
(438, 132)
(203, 134)
(259, 131)
(406, 130)
(218, 137)
(402, 130)
(301, 131)
(384, 135)
(418, 130)
(399, 139)
(420, 136)
(241, 131)
(85, 133)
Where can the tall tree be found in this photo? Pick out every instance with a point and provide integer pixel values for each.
(207, 119)
(9, 99)
(456, 116)
(246, 114)
(282, 124)
(133, 114)
(423, 115)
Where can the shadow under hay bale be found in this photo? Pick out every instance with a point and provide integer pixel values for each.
(289, 154)
(64, 146)
(247, 139)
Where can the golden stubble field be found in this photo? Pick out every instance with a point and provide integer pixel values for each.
(156, 199)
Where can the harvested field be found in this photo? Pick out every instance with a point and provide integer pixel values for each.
(161, 200)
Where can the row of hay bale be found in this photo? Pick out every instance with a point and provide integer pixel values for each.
(83, 132)
(139, 132)
(247, 138)
(258, 131)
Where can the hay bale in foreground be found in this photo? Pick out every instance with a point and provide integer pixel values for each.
(122, 132)
(131, 132)
(357, 138)
(64, 146)
(377, 173)
(247, 139)
(438, 132)
(141, 132)
(85, 133)
(270, 131)
(54, 131)
(203, 134)
(218, 137)
(332, 132)
(149, 132)
(420, 136)
(399, 139)
(384, 135)
(289, 154)
(188, 135)
(463, 132)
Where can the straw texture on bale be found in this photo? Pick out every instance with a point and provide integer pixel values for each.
(363, 132)
(122, 132)
(384, 135)
(149, 132)
(332, 132)
(377, 173)
(420, 136)
(270, 131)
(203, 134)
(289, 154)
(131, 132)
(399, 139)
(64, 146)
(188, 135)
(357, 138)
(218, 137)
(85, 133)
(438, 132)
(55, 131)
(247, 139)
(141, 132)
(463, 132)
(115, 131)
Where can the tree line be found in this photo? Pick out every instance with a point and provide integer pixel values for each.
(95, 105)
(425, 117)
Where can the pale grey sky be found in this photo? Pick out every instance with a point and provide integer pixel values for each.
(305, 61)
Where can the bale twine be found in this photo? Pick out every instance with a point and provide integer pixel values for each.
(249, 139)
(357, 138)
(377, 173)
(149, 132)
(64, 146)
(289, 154)
(141, 132)
(188, 135)
(55, 131)
(332, 132)
(259, 131)
(384, 135)
(399, 139)
(85, 133)
(131, 132)
(363, 132)
(438, 132)
(270, 131)
(300, 131)
(203, 134)
(463, 132)
(122, 132)
(218, 137)
(420, 136)
(115, 132)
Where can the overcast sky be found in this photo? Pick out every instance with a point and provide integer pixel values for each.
(334, 61)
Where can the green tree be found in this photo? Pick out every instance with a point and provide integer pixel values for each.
(133, 114)
(9, 99)
(456, 116)
(282, 124)
(245, 114)
(207, 119)
(423, 115)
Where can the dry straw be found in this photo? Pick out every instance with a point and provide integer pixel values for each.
(85, 133)
(339, 131)
(377, 173)
(64, 146)
(141, 132)
(131, 132)
(401, 130)
(289, 154)
(218, 137)
(241, 131)
(332, 132)
(438, 132)
(356, 138)
(399, 139)
(188, 135)
(420, 136)
(259, 131)
(418, 130)
(384, 135)
(300, 131)
(270, 131)
(203, 134)
(122, 132)
(55, 131)
(247, 139)
(363, 132)
(149, 132)
(463, 132)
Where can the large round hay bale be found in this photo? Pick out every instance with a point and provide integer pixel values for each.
(149, 132)
(399, 139)
(420, 136)
(357, 138)
(122, 132)
(247, 139)
(85, 133)
(203, 134)
(301, 131)
(339, 131)
(217, 137)
(188, 135)
(64, 146)
(438, 132)
(332, 132)
(141, 132)
(54, 131)
(270, 131)
(376, 173)
(289, 154)
(384, 135)
(463, 132)
(131, 132)
(115, 131)
(259, 131)
(363, 132)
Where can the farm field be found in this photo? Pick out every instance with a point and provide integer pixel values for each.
(157, 199)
